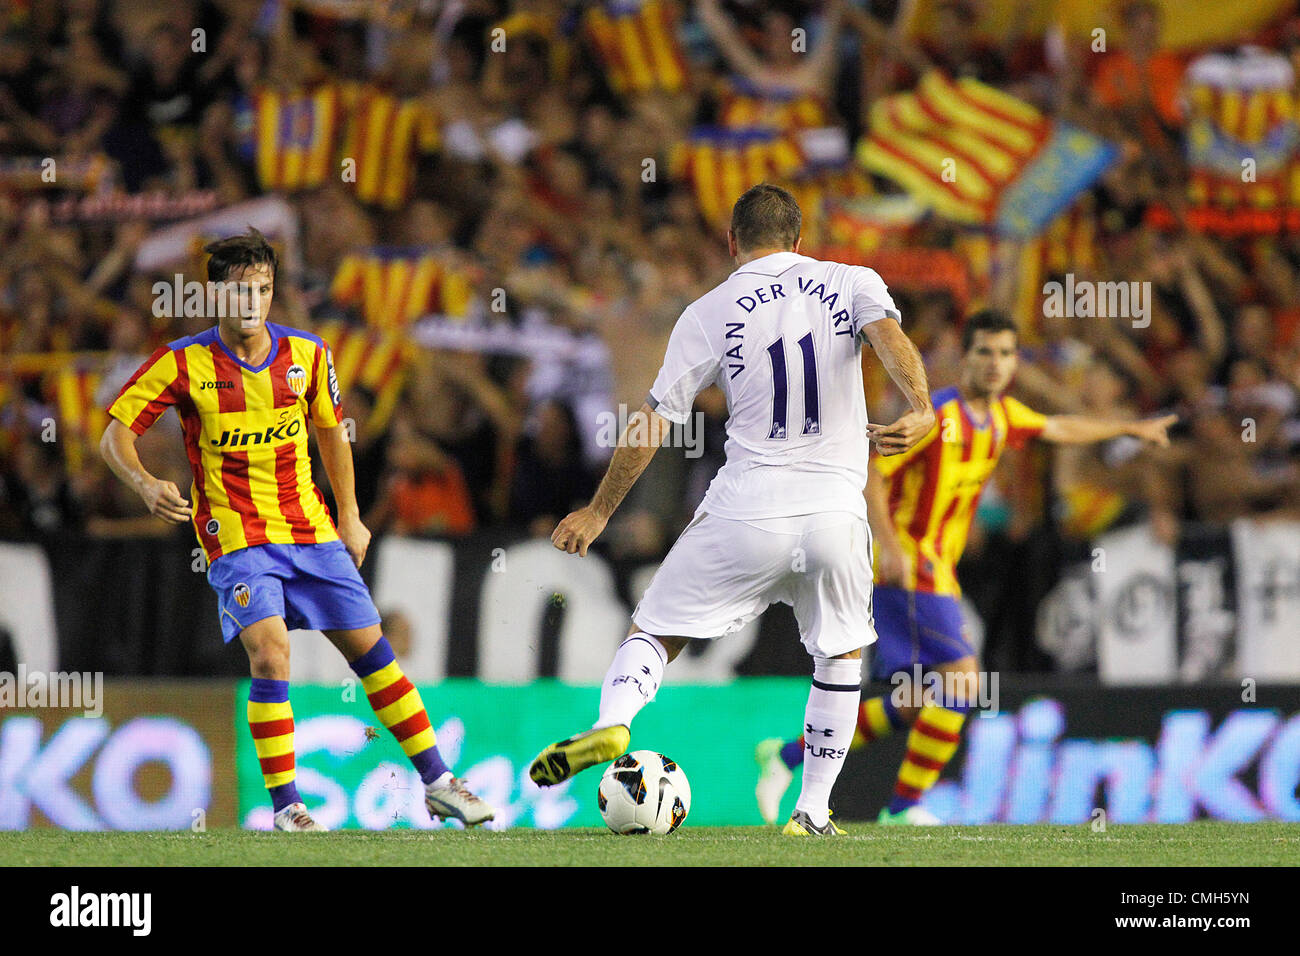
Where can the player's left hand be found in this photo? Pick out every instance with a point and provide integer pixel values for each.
(355, 537)
(1155, 430)
(575, 533)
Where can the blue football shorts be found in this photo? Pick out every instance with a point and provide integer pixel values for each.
(312, 586)
(915, 627)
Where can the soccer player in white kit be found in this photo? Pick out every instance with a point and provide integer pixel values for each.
(784, 518)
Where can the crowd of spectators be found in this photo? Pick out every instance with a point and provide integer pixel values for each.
(539, 184)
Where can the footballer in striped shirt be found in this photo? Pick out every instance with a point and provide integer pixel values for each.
(921, 502)
(245, 391)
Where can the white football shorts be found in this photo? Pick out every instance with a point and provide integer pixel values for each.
(722, 573)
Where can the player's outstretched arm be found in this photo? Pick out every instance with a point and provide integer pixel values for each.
(903, 363)
(640, 440)
(336, 456)
(1079, 430)
(163, 498)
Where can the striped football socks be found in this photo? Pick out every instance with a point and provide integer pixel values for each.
(398, 706)
(931, 744)
(270, 718)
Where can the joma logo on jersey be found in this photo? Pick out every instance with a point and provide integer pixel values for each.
(204, 385)
(273, 433)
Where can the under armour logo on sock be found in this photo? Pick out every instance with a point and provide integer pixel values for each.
(810, 729)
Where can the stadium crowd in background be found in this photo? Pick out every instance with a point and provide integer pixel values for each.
(495, 212)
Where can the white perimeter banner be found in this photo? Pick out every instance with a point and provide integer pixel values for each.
(1268, 599)
(1137, 641)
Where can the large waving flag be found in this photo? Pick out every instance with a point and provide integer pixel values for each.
(981, 157)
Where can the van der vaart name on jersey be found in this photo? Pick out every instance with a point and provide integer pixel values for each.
(775, 291)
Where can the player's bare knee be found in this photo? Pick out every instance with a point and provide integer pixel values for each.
(268, 650)
(269, 663)
(356, 642)
(673, 645)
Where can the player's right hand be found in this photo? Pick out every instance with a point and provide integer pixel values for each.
(903, 434)
(576, 532)
(165, 501)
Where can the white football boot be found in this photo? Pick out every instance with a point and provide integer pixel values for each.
(295, 819)
(449, 798)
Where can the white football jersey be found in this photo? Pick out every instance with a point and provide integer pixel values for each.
(781, 338)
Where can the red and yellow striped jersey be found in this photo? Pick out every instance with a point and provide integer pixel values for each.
(245, 432)
(934, 487)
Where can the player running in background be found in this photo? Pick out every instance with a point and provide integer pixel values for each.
(784, 518)
(921, 503)
(244, 391)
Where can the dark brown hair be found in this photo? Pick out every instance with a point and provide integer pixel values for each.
(766, 216)
(986, 320)
(238, 253)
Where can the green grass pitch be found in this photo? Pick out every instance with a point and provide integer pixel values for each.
(1196, 844)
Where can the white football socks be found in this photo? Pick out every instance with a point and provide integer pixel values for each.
(829, 722)
(632, 680)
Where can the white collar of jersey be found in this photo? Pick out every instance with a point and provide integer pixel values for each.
(772, 264)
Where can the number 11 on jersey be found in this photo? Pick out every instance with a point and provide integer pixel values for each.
(780, 396)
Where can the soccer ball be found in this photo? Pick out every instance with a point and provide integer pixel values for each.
(644, 792)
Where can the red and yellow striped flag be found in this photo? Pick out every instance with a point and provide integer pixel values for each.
(374, 359)
(954, 145)
(295, 134)
(394, 286)
(742, 104)
(636, 41)
(383, 135)
(721, 164)
(1226, 126)
(81, 420)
